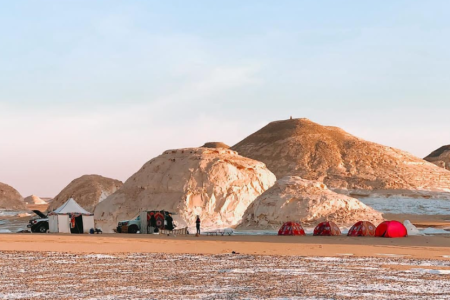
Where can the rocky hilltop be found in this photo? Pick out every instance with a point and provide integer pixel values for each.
(10, 198)
(33, 199)
(87, 191)
(342, 161)
(309, 202)
(216, 184)
(215, 145)
(440, 157)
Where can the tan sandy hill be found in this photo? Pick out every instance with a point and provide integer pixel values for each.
(33, 199)
(300, 147)
(10, 198)
(216, 184)
(440, 157)
(309, 202)
(215, 145)
(87, 191)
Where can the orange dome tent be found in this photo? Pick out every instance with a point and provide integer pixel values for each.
(327, 229)
(391, 229)
(362, 228)
(291, 228)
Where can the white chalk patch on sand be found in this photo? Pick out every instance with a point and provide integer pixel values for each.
(403, 205)
(99, 256)
(431, 230)
(345, 254)
(392, 255)
(431, 271)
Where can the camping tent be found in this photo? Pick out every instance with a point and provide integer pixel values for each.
(291, 228)
(362, 228)
(327, 228)
(391, 229)
(70, 218)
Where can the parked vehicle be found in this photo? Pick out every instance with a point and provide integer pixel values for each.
(39, 223)
(129, 226)
(134, 225)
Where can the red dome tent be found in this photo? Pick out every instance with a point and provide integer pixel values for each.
(291, 228)
(362, 228)
(327, 228)
(391, 229)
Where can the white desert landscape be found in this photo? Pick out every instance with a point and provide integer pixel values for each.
(224, 150)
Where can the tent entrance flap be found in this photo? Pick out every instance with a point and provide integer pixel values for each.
(76, 225)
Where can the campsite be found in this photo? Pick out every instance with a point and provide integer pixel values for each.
(224, 150)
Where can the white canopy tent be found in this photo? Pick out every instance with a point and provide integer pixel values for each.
(70, 218)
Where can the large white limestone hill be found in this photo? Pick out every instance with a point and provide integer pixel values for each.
(300, 147)
(309, 202)
(10, 198)
(217, 184)
(87, 191)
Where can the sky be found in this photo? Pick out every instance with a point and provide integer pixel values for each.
(101, 87)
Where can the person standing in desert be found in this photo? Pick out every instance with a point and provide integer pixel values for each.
(197, 224)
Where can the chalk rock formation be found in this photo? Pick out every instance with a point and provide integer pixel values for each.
(216, 184)
(215, 145)
(33, 199)
(440, 157)
(10, 198)
(300, 147)
(309, 202)
(87, 191)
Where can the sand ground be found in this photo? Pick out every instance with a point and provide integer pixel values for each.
(127, 266)
(435, 247)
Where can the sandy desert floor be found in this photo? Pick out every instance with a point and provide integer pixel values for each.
(426, 247)
(124, 266)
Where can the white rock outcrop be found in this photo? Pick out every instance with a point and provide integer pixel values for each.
(33, 199)
(440, 157)
(87, 191)
(217, 184)
(10, 198)
(309, 202)
(345, 163)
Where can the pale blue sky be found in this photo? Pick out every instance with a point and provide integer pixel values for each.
(103, 86)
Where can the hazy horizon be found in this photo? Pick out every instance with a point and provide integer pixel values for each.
(102, 87)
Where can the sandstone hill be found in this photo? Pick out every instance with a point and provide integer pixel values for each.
(309, 202)
(215, 145)
(300, 147)
(440, 157)
(87, 191)
(216, 184)
(10, 198)
(33, 199)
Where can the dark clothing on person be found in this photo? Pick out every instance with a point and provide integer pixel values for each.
(153, 221)
(169, 225)
(197, 223)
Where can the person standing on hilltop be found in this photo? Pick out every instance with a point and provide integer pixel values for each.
(197, 224)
